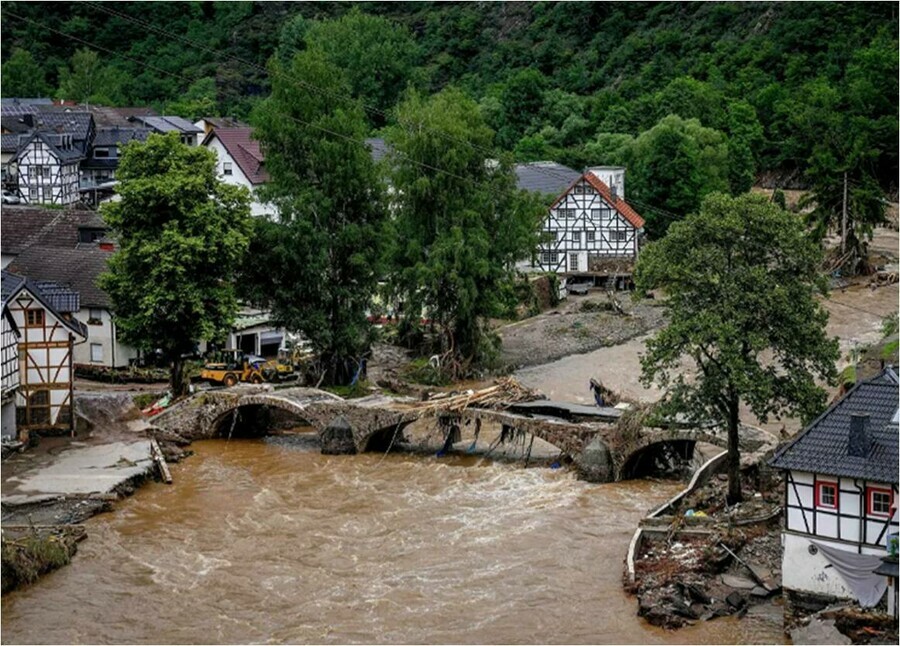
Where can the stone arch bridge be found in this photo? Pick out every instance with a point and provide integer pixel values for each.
(372, 423)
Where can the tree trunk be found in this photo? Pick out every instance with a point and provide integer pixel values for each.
(734, 455)
(177, 383)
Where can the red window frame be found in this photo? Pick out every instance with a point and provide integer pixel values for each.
(869, 497)
(822, 484)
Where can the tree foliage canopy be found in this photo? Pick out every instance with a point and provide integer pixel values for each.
(457, 231)
(181, 233)
(740, 280)
(322, 257)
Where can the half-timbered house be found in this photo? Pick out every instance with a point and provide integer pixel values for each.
(9, 363)
(44, 397)
(591, 231)
(840, 498)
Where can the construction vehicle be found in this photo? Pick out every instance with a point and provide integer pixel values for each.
(228, 367)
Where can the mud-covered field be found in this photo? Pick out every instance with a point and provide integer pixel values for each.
(580, 324)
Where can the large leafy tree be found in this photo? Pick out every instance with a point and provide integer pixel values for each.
(87, 79)
(317, 267)
(740, 280)
(181, 234)
(460, 223)
(376, 56)
(22, 76)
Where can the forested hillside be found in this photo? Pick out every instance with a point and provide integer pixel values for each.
(793, 93)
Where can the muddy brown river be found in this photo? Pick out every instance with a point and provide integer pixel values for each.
(269, 541)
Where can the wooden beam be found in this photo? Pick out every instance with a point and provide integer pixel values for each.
(160, 461)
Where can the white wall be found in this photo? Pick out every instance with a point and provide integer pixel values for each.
(9, 419)
(237, 178)
(115, 354)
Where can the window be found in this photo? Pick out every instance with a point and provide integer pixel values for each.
(827, 495)
(549, 258)
(576, 237)
(591, 236)
(573, 262)
(595, 214)
(45, 171)
(34, 318)
(618, 236)
(879, 501)
(580, 189)
(38, 171)
(95, 317)
(96, 352)
(226, 168)
(101, 152)
(552, 236)
(32, 194)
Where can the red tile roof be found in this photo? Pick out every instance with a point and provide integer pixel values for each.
(244, 150)
(620, 205)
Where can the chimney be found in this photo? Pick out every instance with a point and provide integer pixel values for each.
(858, 442)
(28, 120)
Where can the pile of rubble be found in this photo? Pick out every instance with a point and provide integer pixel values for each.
(704, 576)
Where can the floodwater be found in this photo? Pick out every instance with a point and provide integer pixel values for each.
(269, 541)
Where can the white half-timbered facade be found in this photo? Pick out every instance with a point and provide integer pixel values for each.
(840, 479)
(44, 398)
(48, 168)
(591, 229)
(9, 366)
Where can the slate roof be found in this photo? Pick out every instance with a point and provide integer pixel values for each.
(9, 143)
(167, 123)
(822, 446)
(546, 177)
(24, 226)
(63, 154)
(378, 147)
(118, 136)
(77, 268)
(244, 151)
(13, 283)
(119, 117)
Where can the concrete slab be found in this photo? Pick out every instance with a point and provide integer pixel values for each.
(819, 632)
(79, 470)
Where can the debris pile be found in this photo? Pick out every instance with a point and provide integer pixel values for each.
(505, 391)
(705, 576)
(28, 554)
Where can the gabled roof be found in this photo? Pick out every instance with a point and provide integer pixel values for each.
(66, 155)
(822, 446)
(24, 226)
(117, 136)
(12, 284)
(620, 205)
(119, 117)
(546, 177)
(77, 268)
(243, 150)
(167, 123)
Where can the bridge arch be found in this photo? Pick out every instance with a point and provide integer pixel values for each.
(658, 450)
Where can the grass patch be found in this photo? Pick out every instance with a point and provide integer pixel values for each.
(890, 350)
(359, 389)
(27, 558)
(420, 371)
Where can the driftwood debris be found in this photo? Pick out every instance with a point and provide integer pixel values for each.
(504, 392)
(160, 460)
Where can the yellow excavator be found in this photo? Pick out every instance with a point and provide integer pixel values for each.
(228, 367)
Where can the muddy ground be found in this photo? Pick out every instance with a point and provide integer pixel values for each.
(579, 324)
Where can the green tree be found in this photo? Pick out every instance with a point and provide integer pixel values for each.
(673, 166)
(88, 80)
(460, 224)
(522, 98)
(181, 232)
(740, 279)
(198, 101)
(318, 266)
(376, 55)
(22, 76)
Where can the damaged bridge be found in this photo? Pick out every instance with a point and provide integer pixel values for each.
(590, 436)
